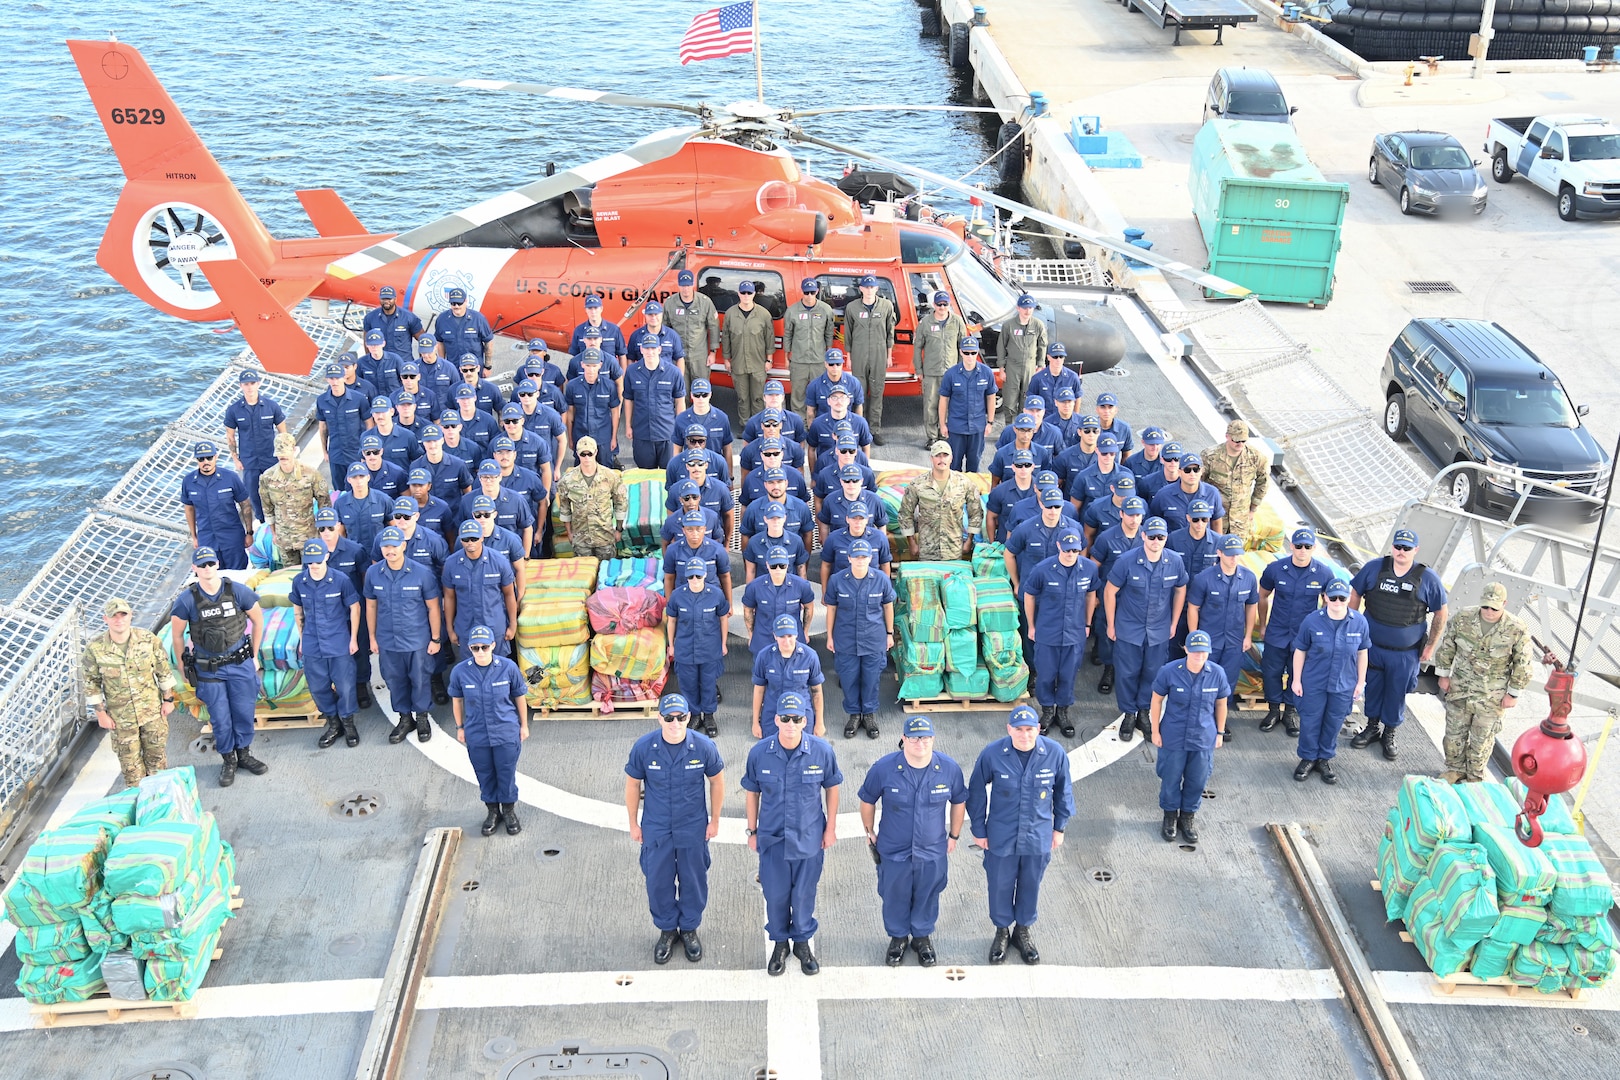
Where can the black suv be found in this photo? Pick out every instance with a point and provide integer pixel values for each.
(1467, 390)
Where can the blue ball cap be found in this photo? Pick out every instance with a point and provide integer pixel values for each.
(1090, 423)
(430, 433)
(203, 556)
(1070, 542)
(1134, 505)
(502, 443)
(370, 442)
(859, 510)
(248, 375)
(786, 626)
(695, 457)
(701, 387)
(382, 404)
(775, 511)
(357, 468)
(850, 472)
(483, 504)
(1306, 535)
(468, 362)
(1056, 349)
(697, 431)
(1023, 457)
(489, 468)
(673, 705)
(1199, 508)
(1064, 393)
(481, 635)
(325, 516)
(426, 344)
(1107, 399)
(1125, 482)
(1155, 526)
(447, 419)
(386, 293)
(837, 391)
(1025, 422)
(1107, 444)
(334, 371)
(526, 386)
(790, 703)
(861, 549)
(1405, 538)
(848, 442)
(834, 356)
(456, 296)
(809, 284)
(375, 337)
(1191, 459)
(942, 297)
(405, 397)
(406, 505)
(776, 557)
(1026, 301)
(314, 551)
(771, 416)
(204, 449)
(1231, 545)
(465, 393)
(1338, 588)
(745, 287)
(970, 345)
(390, 537)
(1035, 403)
(653, 308)
(685, 277)
(1046, 478)
(1153, 436)
(537, 344)
(919, 727)
(1171, 451)
(593, 332)
(593, 301)
(770, 442)
(1023, 716)
(696, 568)
(419, 476)
(867, 282)
(772, 386)
(694, 519)
(683, 488)
(1051, 497)
(773, 474)
(1197, 641)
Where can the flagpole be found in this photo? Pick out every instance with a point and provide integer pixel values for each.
(759, 67)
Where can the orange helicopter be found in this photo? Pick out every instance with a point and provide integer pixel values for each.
(721, 197)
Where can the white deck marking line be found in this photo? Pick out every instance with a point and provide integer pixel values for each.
(792, 1033)
(1418, 988)
(247, 1001)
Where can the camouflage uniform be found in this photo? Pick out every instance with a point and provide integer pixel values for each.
(1019, 351)
(933, 512)
(937, 348)
(290, 501)
(1484, 660)
(130, 682)
(1241, 480)
(698, 325)
(595, 508)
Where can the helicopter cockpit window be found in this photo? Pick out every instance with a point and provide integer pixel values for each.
(977, 289)
(838, 290)
(719, 284)
(918, 248)
(924, 284)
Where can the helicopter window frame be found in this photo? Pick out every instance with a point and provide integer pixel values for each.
(832, 283)
(977, 288)
(770, 292)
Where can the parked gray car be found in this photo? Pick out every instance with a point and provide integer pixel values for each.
(1428, 172)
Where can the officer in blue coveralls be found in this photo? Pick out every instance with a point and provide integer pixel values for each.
(1397, 593)
(1189, 719)
(344, 415)
(402, 609)
(1143, 599)
(219, 514)
(774, 593)
(327, 608)
(1297, 583)
(1223, 601)
(967, 394)
(350, 559)
(790, 828)
(860, 633)
(654, 392)
(695, 641)
(1329, 672)
(226, 623)
(251, 424)
(924, 798)
(789, 666)
(480, 589)
(665, 778)
(488, 696)
(1019, 802)
(1060, 597)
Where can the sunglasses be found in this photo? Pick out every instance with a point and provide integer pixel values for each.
(372, 453)
(675, 718)
(528, 393)
(846, 449)
(327, 528)
(1158, 539)
(1192, 468)
(1403, 547)
(587, 453)
(778, 453)
(1303, 547)
(210, 457)
(791, 719)
(1198, 519)
(1023, 465)
(207, 565)
(403, 517)
(1239, 442)
(700, 395)
(1338, 599)
(480, 648)
(1488, 607)
(483, 516)
(410, 375)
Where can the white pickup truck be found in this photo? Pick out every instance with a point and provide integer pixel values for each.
(1575, 157)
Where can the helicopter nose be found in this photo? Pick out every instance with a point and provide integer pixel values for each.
(1090, 331)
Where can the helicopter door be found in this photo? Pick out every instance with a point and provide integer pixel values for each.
(924, 284)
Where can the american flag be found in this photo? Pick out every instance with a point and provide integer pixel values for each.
(723, 31)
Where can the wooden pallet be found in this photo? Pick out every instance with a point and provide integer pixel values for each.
(106, 1009)
(275, 720)
(593, 709)
(1252, 703)
(950, 704)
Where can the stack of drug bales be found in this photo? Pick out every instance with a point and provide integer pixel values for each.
(627, 651)
(127, 897)
(644, 512)
(554, 631)
(1475, 899)
(936, 651)
(997, 616)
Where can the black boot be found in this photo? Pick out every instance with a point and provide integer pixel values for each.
(1127, 727)
(424, 726)
(998, 945)
(1304, 769)
(853, 724)
(1064, 724)
(513, 825)
(1367, 735)
(924, 949)
(877, 438)
(351, 733)
(1325, 767)
(491, 819)
(252, 764)
(407, 723)
(1106, 683)
(332, 732)
(710, 728)
(362, 695)
(1291, 721)
(1189, 827)
(1273, 716)
(807, 959)
(666, 943)
(871, 726)
(441, 696)
(778, 961)
(896, 953)
(227, 769)
(1047, 713)
(1168, 828)
(1388, 740)
(692, 946)
(1026, 947)
(1144, 724)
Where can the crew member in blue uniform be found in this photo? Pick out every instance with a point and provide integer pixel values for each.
(433, 512)
(438, 376)
(773, 398)
(479, 589)
(847, 453)
(1019, 802)
(1167, 474)
(486, 395)
(670, 347)
(686, 497)
(819, 389)
(352, 560)
(400, 446)
(451, 474)
(1008, 494)
(695, 442)
(219, 514)
(1105, 548)
(835, 549)
(1107, 406)
(654, 392)
(1103, 513)
(1046, 382)
(695, 544)
(1145, 462)
(772, 487)
(714, 493)
(1223, 601)
(695, 641)
(924, 797)
(1297, 583)
(1198, 546)
(402, 609)
(344, 415)
(1060, 597)
(462, 329)
(1143, 599)
(488, 696)
(593, 408)
(252, 423)
(756, 482)
(386, 477)
(1189, 719)
(477, 425)
(772, 433)
(612, 337)
(226, 623)
(967, 395)
(835, 422)
(787, 777)
(533, 451)
(1172, 501)
(375, 369)
(668, 772)
(1067, 417)
(775, 535)
(1036, 539)
(430, 402)
(512, 510)
(327, 609)
(399, 326)
(717, 423)
(860, 633)
(836, 507)
(1096, 482)
(1397, 594)
(772, 594)
(789, 666)
(1329, 672)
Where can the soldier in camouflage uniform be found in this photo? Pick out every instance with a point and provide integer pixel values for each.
(592, 503)
(932, 507)
(1240, 473)
(130, 685)
(692, 316)
(290, 494)
(1484, 665)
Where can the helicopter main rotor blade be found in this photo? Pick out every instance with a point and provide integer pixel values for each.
(1198, 277)
(569, 93)
(894, 108)
(654, 147)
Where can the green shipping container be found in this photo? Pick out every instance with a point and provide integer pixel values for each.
(1271, 221)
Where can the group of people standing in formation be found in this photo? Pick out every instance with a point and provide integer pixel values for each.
(1117, 539)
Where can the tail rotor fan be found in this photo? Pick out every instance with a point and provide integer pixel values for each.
(169, 240)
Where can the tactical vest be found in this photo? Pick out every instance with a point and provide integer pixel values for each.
(1387, 602)
(220, 624)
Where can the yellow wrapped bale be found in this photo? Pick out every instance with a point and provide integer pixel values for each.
(557, 676)
(637, 655)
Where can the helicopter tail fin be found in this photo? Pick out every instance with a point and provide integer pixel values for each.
(329, 214)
